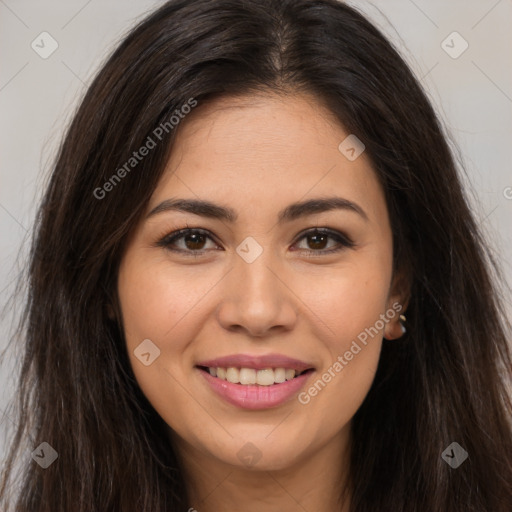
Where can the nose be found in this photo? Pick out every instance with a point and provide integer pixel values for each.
(256, 299)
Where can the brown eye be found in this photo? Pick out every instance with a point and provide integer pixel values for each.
(187, 241)
(317, 241)
(194, 241)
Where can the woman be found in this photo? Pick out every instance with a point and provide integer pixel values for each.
(255, 283)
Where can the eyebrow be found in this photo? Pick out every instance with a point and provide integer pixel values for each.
(292, 212)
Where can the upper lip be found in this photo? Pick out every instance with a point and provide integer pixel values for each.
(256, 362)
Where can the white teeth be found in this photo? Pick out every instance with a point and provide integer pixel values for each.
(280, 375)
(265, 377)
(289, 374)
(232, 375)
(248, 376)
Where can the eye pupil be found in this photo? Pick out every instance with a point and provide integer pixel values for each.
(317, 244)
(197, 239)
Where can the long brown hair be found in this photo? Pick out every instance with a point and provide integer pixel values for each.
(445, 381)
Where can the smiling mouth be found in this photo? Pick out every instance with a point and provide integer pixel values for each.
(252, 376)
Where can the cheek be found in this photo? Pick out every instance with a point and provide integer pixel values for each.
(348, 300)
(157, 300)
(162, 305)
(350, 305)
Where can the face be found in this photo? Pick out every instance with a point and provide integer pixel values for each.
(270, 286)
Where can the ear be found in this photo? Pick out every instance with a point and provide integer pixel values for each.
(398, 301)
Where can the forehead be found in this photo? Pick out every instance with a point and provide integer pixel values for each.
(262, 151)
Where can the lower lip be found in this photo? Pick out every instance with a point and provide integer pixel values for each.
(254, 396)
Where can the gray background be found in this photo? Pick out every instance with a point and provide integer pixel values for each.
(472, 94)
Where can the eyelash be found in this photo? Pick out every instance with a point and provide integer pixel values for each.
(343, 241)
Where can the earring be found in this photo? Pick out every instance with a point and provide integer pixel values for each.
(402, 324)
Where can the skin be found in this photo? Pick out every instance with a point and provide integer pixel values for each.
(257, 155)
